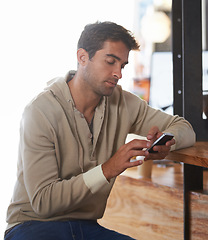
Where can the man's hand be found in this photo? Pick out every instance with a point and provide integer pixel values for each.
(120, 161)
(162, 150)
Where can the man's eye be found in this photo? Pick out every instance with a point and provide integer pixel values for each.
(111, 62)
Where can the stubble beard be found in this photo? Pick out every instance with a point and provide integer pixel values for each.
(99, 89)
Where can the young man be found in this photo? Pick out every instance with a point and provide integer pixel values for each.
(72, 142)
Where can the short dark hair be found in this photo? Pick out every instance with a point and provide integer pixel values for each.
(94, 35)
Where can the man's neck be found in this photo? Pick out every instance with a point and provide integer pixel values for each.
(85, 101)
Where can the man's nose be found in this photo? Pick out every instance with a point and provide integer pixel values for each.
(117, 73)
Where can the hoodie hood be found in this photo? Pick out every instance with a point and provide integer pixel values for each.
(61, 92)
(59, 88)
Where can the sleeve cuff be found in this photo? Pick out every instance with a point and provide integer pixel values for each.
(95, 179)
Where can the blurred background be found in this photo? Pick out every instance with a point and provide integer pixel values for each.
(38, 42)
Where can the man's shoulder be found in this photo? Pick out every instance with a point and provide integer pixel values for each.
(120, 93)
(40, 100)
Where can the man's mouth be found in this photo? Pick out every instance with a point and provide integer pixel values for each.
(111, 83)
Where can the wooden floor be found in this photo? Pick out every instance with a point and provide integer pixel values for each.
(153, 208)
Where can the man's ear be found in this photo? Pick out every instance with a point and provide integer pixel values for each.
(82, 56)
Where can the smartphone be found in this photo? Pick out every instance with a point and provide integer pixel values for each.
(160, 141)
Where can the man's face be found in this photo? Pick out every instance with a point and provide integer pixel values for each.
(103, 71)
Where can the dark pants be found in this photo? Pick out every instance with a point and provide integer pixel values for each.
(66, 230)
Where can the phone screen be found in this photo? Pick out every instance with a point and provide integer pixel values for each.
(160, 141)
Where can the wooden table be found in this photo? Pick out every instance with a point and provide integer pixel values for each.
(195, 158)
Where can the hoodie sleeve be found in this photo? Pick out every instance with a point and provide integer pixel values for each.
(144, 117)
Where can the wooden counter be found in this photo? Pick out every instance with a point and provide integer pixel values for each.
(196, 155)
(172, 205)
(146, 209)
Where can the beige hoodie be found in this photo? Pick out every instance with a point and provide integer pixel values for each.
(59, 168)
